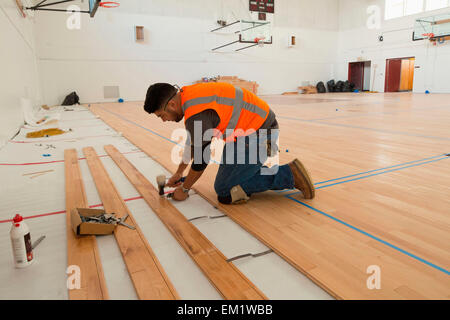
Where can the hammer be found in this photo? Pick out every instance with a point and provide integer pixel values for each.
(161, 181)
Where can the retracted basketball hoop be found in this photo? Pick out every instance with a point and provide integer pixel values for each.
(93, 6)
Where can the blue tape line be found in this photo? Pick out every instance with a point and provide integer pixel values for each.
(373, 237)
(366, 128)
(155, 133)
(375, 174)
(397, 165)
(386, 131)
(352, 116)
(358, 174)
(281, 191)
(317, 210)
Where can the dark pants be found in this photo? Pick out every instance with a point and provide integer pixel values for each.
(239, 167)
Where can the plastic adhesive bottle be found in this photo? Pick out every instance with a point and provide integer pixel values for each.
(21, 243)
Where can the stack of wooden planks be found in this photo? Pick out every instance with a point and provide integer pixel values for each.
(308, 89)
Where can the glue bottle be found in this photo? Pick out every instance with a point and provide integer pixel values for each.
(21, 243)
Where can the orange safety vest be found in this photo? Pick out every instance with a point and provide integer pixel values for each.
(240, 111)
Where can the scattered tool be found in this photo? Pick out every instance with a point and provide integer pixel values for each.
(250, 255)
(209, 217)
(33, 173)
(35, 244)
(122, 222)
(161, 181)
(37, 175)
(108, 219)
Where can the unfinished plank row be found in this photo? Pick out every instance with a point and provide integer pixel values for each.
(81, 251)
(148, 277)
(224, 276)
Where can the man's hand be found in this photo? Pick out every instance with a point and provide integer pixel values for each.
(180, 195)
(174, 181)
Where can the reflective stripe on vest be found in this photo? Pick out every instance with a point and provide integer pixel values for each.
(237, 103)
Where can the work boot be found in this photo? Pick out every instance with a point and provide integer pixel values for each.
(302, 180)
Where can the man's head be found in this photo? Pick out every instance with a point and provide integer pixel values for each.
(164, 101)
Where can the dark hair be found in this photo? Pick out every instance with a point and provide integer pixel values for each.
(158, 95)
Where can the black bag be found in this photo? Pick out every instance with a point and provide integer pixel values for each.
(321, 87)
(71, 99)
(339, 86)
(347, 87)
(331, 86)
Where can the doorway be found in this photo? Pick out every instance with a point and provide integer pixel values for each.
(359, 74)
(399, 74)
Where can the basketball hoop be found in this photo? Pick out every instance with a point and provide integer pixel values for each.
(260, 41)
(430, 37)
(109, 4)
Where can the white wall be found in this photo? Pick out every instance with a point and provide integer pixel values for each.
(178, 47)
(367, 75)
(18, 67)
(357, 41)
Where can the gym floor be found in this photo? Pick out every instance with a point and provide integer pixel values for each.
(380, 167)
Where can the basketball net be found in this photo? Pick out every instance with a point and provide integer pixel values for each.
(260, 41)
(430, 37)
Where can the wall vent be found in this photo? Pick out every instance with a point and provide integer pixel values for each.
(110, 92)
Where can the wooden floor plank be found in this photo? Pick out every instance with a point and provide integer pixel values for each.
(148, 277)
(81, 251)
(225, 277)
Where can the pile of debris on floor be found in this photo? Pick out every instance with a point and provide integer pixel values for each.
(251, 86)
(332, 86)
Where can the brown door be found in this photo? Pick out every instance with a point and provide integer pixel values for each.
(393, 74)
(356, 74)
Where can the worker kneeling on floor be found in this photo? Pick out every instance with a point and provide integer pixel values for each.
(246, 124)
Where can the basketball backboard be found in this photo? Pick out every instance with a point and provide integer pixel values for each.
(433, 27)
(93, 6)
(43, 5)
(248, 32)
(254, 31)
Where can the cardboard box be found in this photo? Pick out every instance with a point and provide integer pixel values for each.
(234, 80)
(89, 228)
(308, 90)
